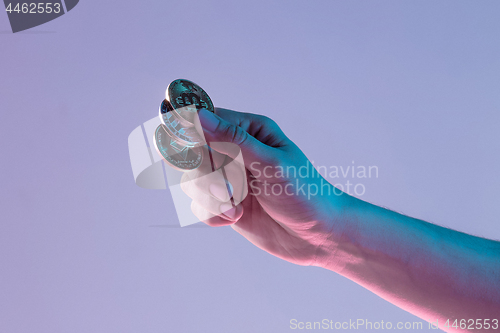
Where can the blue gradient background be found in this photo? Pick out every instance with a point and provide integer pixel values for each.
(412, 87)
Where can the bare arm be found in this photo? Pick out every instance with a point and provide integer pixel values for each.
(433, 272)
(430, 271)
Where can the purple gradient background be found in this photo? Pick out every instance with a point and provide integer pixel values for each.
(412, 87)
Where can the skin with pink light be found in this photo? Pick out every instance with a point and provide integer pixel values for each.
(428, 270)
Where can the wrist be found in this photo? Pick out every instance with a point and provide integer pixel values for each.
(336, 248)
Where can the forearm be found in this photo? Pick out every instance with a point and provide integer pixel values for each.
(428, 270)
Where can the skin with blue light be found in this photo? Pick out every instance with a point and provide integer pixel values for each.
(428, 270)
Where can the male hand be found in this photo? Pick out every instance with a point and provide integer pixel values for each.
(288, 211)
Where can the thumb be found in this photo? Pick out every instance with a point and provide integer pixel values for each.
(219, 132)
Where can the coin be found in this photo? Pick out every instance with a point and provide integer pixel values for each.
(178, 156)
(178, 130)
(185, 98)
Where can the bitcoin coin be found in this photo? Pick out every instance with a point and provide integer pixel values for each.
(184, 99)
(179, 131)
(167, 113)
(180, 157)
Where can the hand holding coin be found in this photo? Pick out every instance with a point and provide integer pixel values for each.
(183, 146)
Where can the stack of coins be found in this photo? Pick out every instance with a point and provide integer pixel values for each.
(176, 139)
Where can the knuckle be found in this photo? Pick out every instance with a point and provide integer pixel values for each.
(185, 185)
(266, 120)
(239, 136)
(190, 186)
(194, 208)
(198, 184)
(234, 134)
(184, 177)
(226, 132)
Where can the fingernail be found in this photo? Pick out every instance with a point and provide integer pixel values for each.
(219, 192)
(228, 210)
(230, 188)
(208, 120)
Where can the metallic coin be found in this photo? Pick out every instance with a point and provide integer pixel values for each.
(185, 98)
(167, 113)
(178, 156)
(178, 131)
